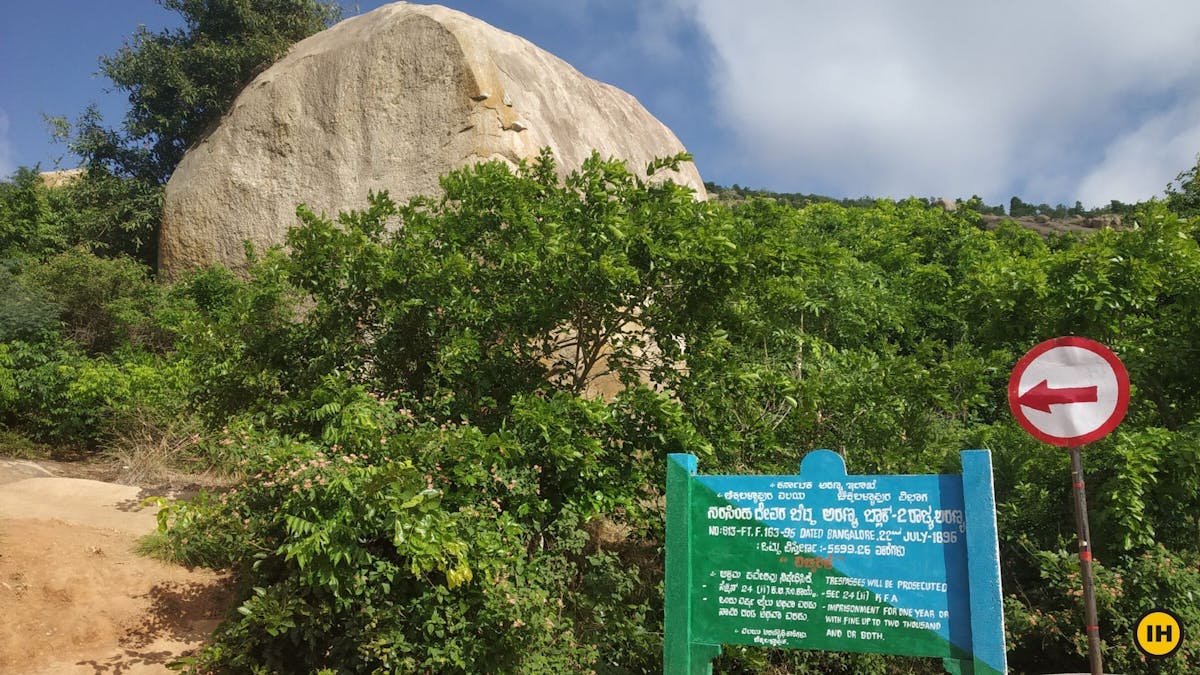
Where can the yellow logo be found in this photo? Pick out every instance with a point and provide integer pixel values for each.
(1158, 633)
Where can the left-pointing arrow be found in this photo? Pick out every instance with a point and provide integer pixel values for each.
(1041, 396)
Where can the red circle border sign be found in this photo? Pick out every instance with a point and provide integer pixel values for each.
(1096, 348)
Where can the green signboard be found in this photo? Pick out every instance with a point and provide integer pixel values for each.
(886, 564)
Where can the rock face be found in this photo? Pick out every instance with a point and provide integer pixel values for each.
(1046, 226)
(53, 179)
(389, 100)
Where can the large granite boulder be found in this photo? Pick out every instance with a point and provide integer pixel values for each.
(390, 99)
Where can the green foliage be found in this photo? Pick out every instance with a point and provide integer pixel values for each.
(181, 81)
(25, 313)
(20, 446)
(390, 361)
(115, 214)
(108, 214)
(451, 415)
(103, 303)
(1043, 620)
(330, 545)
(36, 377)
(239, 342)
(34, 218)
(437, 547)
(55, 394)
(1019, 209)
(510, 284)
(1183, 194)
(86, 350)
(465, 337)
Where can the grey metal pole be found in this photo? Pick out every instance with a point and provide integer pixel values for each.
(1085, 562)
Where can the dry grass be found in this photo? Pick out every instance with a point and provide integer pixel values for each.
(147, 452)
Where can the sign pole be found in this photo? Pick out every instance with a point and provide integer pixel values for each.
(1085, 561)
(1070, 391)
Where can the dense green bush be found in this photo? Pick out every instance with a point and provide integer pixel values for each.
(52, 392)
(34, 219)
(432, 335)
(86, 349)
(96, 210)
(25, 313)
(388, 362)
(103, 303)
(435, 480)
(441, 548)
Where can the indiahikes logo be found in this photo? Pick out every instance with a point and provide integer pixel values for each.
(1158, 633)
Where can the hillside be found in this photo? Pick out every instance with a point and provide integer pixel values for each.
(1043, 219)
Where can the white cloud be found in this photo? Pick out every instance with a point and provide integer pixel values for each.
(6, 154)
(1138, 164)
(933, 98)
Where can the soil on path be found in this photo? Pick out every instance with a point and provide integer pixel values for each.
(74, 596)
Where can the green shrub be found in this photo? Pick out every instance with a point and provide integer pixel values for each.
(54, 394)
(104, 303)
(36, 378)
(1044, 621)
(333, 546)
(34, 219)
(453, 339)
(243, 346)
(25, 313)
(17, 444)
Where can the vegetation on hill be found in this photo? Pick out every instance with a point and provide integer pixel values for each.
(422, 485)
(422, 474)
(1017, 208)
(1183, 194)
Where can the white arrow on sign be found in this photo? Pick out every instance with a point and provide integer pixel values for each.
(1069, 391)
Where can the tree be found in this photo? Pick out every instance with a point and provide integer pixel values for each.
(1018, 208)
(1183, 194)
(512, 283)
(449, 353)
(32, 215)
(179, 82)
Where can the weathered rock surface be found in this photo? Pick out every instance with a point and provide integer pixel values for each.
(53, 179)
(390, 99)
(1046, 226)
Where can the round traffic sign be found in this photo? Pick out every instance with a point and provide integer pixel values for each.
(1069, 391)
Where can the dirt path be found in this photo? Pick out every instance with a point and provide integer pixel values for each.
(74, 597)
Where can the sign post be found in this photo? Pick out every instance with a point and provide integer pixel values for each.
(1070, 391)
(824, 560)
(1095, 659)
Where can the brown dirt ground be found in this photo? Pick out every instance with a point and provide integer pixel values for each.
(74, 596)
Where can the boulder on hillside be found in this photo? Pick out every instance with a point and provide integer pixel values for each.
(60, 178)
(1045, 226)
(389, 100)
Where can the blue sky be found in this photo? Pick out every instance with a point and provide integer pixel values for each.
(1055, 102)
